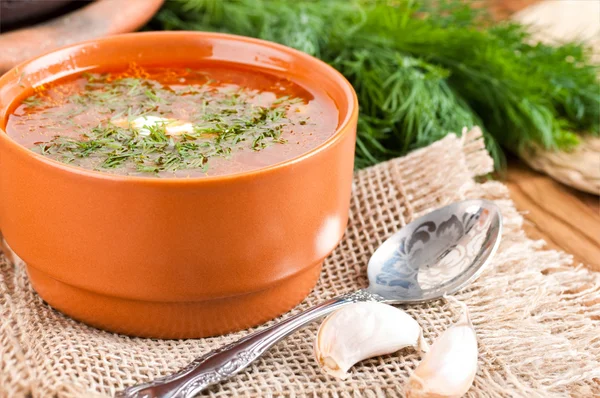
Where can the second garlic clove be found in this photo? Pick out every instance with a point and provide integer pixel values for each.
(449, 368)
(363, 330)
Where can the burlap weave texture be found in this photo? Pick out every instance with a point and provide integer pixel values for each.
(537, 317)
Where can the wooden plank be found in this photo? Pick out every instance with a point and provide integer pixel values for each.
(566, 219)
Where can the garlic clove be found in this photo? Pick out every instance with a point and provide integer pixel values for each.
(449, 368)
(363, 330)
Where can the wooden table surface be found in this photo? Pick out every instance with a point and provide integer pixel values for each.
(565, 218)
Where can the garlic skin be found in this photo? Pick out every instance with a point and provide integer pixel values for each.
(449, 368)
(363, 330)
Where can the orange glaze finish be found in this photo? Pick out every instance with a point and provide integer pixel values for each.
(135, 255)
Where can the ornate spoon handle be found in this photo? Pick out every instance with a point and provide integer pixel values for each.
(218, 365)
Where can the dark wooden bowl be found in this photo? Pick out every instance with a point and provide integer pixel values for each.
(95, 19)
(19, 11)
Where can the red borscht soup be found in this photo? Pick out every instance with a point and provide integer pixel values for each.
(173, 122)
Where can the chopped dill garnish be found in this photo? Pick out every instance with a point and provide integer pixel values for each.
(21, 76)
(223, 122)
(33, 101)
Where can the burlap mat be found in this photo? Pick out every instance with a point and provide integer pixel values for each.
(537, 317)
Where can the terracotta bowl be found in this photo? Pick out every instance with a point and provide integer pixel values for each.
(176, 258)
(97, 18)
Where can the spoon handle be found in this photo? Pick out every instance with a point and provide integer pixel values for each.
(220, 364)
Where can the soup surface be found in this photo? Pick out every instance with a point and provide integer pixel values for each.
(173, 122)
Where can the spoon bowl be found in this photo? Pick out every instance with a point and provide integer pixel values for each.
(437, 254)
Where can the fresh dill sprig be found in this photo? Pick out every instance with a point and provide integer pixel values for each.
(422, 69)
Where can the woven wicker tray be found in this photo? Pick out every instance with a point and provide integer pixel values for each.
(554, 21)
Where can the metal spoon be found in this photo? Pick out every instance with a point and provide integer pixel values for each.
(437, 254)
